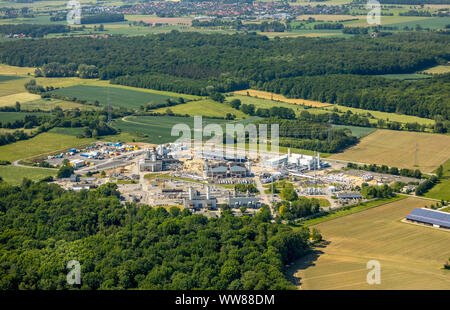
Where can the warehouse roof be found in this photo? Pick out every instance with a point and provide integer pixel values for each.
(237, 169)
(430, 217)
(219, 169)
(349, 195)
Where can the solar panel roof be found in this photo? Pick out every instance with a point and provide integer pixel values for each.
(430, 216)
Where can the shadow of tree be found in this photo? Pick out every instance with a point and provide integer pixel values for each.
(304, 263)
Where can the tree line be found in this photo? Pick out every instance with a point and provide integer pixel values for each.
(33, 30)
(311, 136)
(412, 173)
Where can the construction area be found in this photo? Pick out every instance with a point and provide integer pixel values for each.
(174, 175)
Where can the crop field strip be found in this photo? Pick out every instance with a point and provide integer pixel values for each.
(115, 97)
(398, 149)
(411, 256)
(278, 97)
(205, 107)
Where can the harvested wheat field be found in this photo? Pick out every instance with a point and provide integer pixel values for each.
(398, 149)
(410, 256)
(13, 70)
(278, 97)
(11, 100)
(441, 69)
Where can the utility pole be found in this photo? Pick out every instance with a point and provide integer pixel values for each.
(330, 128)
(109, 109)
(415, 155)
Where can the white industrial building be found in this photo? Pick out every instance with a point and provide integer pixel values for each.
(196, 202)
(77, 163)
(300, 160)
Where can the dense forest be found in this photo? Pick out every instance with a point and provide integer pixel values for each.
(193, 62)
(43, 227)
(102, 18)
(311, 136)
(425, 98)
(33, 30)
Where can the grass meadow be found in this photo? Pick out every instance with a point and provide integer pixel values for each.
(14, 175)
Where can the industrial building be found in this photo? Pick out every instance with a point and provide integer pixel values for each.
(77, 163)
(295, 160)
(223, 156)
(224, 170)
(156, 160)
(348, 196)
(434, 218)
(195, 202)
(249, 202)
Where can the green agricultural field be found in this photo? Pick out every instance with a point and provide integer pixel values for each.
(432, 23)
(14, 116)
(442, 189)
(357, 131)
(206, 107)
(383, 115)
(14, 175)
(157, 129)
(4, 78)
(114, 96)
(411, 256)
(405, 76)
(49, 104)
(44, 143)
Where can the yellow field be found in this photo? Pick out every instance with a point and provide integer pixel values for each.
(438, 70)
(11, 100)
(397, 148)
(12, 70)
(12, 87)
(277, 97)
(411, 256)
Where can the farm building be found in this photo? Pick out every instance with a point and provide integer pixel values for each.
(430, 217)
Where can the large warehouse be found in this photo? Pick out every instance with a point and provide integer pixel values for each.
(430, 217)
